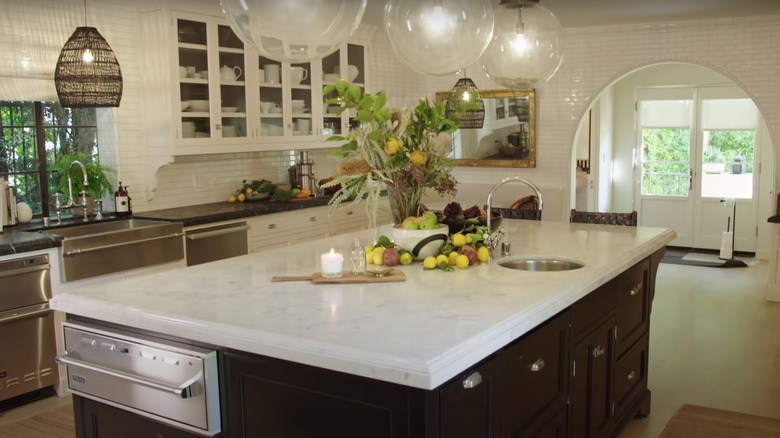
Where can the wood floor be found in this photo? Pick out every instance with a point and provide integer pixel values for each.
(714, 342)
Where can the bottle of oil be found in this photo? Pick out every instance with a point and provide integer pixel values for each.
(122, 202)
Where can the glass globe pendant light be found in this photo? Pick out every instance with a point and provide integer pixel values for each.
(438, 37)
(526, 49)
(294, 30)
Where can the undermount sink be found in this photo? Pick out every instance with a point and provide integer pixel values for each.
(541, 264)
(98, 248)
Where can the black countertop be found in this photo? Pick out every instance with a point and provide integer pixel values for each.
(15, 240)
(225, 211)
(23, 237)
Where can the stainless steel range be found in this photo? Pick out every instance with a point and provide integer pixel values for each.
(27, 339)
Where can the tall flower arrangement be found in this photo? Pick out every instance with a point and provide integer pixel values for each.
(404, 149)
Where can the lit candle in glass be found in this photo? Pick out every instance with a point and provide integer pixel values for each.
(332, 264)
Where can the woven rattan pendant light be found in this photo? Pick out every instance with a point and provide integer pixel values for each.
(465, 90)
(87, 72)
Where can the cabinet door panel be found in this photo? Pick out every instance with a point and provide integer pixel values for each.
(630, 375)
(468, 409)
(633, 305)
(275, 398)
(103, 421)
(591, 384)
(537, 374)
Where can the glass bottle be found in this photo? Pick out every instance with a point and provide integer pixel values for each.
(358, 257)
(122, 202)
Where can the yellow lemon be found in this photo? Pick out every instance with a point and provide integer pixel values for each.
(406, 258)
(391, 146)
(429, 263)
(369, 258)
(241, 197)
(378, 259)
(369, 248)
(249, 190)
(231, 198)
(418, 157)
(442, 258)
(469, 239)
(462, 262)
(483, 254)
(458, 239)
(453, 256)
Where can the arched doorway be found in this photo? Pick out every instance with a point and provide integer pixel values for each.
(607, 159)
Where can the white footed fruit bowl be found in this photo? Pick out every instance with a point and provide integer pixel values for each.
(421, 243)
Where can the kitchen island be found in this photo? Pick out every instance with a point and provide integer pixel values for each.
(419, 334)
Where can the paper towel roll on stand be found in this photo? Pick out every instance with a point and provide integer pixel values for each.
(727, 239)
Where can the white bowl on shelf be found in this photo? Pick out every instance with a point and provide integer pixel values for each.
(185, 105)
(229, 109)
(199, 105)
(276, 110)
(330, 77)
(352, 72)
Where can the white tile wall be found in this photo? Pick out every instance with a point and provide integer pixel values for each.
(747, 50)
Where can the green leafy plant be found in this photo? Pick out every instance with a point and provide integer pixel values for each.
(404, 149)
(96, 175)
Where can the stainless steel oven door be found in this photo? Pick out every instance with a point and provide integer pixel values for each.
(216, 243)
(169, 382)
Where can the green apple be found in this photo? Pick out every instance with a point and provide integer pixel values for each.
(431, 216)
(428, 225)
(410, 225)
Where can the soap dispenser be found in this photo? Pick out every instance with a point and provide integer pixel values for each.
(122, 202)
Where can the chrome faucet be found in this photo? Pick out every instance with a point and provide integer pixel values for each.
(71, 203)
(492, 240)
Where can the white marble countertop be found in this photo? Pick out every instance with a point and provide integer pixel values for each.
(418, 333)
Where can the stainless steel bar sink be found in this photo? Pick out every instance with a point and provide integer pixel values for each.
(100, 248)
(541, 264)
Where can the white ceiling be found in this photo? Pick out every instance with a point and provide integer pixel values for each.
(584, 13)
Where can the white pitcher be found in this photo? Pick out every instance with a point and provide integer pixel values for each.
(230, 73)
(298, 74)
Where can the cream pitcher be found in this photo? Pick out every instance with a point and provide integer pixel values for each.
(229, 73)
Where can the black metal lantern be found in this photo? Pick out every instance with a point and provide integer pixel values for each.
(466, 91)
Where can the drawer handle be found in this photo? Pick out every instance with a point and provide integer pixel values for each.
(631, 376)
(473, 380)
(271, 226)
(598, 351)
(313, 219)
(537, 365)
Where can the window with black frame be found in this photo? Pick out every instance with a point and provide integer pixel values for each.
(33, 137)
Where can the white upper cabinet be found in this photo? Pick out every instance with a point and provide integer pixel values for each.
(222, 96)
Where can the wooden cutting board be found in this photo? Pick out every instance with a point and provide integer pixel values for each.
(346, 278)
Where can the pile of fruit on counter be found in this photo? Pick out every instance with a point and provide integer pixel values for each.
(461, 249)
(264, 189)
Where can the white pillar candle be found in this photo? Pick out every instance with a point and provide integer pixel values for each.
(332, 264)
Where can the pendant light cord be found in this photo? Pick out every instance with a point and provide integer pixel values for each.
(85, 13)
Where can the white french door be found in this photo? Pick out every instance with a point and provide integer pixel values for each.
(696, 150)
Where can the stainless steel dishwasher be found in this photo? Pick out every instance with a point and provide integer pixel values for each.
(211, 243)
(27, 339)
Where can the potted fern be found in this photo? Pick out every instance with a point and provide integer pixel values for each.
(99, 184)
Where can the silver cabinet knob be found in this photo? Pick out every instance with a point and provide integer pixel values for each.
(598, 351)
(472, 380)
(537, 365)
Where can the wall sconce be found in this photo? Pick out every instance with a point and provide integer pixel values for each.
(294, 31)
(526, 49)
(438, 37)
(87, 72)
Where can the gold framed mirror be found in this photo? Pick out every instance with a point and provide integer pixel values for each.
(509, 119)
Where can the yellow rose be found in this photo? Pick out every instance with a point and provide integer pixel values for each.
(391, 146)
(418, 157)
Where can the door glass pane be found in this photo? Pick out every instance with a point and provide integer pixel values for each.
(665, 156)
(727, 164)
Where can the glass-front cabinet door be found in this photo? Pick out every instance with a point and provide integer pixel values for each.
(347, 63)
(211, 82)
(286, 96)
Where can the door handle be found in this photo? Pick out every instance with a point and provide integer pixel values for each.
(598, 351)
(690, 179)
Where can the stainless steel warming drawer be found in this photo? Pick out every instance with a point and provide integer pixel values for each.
(166, 381)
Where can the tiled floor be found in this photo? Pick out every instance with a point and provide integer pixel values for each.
(714, 342)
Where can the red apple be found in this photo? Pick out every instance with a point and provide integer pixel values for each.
(469, 252)
(390, 257)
